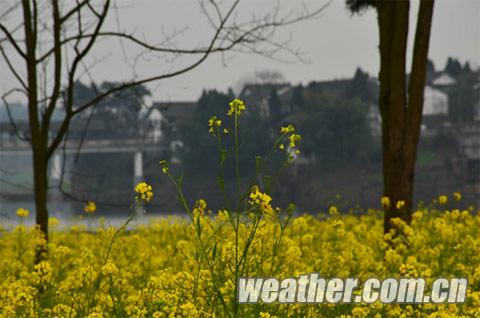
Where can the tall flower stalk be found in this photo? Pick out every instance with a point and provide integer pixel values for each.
(245, 216)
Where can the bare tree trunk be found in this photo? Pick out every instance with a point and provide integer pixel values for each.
(416, 90)
(40, 177)
(393, 27)
(401, 115)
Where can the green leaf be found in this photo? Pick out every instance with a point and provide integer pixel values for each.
(214, 251)
(199, 225)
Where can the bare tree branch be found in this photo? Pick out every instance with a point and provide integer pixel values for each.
(12, 68)
(69, 113)
(9, 10)
(247, 32)
(12, 40)
(58, 67)
(73, 11)
(9, 114)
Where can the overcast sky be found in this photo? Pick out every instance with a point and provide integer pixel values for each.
(334, 44)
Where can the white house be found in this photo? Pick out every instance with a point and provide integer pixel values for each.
(152, 118)
(444, 80)
(435, 102)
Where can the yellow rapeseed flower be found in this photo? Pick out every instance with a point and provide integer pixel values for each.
(109, 269)
(408, 270)
(262, 201)
(417, 215)
(457, 196)
(43, 273)
(90, 207)
(287, 129)
(213, 123)
(385, 201)
(237, 107)
(164, 165)
(266, 315)
(199, 208)
(162, 257)
(442, 199)
(400, 204)
(23, 213)
(144, 191)
(333, 210)
(294, 138)
(53, 221)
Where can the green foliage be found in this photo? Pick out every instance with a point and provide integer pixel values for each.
(453, 67)
(195, 155)
(362, 87)
(275, 105)
(462, 98)
(335, 129)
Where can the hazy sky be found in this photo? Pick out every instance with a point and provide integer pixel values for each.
(335, 44)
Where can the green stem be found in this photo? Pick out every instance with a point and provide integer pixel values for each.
(221, 177)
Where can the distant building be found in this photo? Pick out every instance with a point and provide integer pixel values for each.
(435, 106)
(374, 120)
(261, 98)
(338, 87)
(443, 80)
(171, 117)
(476, 87)
(151, 119)
(435, 102)
(175, 113)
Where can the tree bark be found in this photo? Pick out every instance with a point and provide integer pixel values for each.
(40, 179)
(416, 89)
(401, 114)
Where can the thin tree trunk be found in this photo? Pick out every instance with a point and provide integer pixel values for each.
(416, 90)
(40, 175)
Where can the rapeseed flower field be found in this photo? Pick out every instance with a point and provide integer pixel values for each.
(190, 267)
(155, 270)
